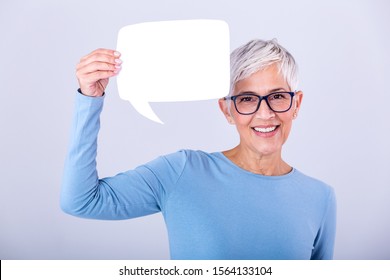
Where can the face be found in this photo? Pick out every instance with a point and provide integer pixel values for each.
(265, 131)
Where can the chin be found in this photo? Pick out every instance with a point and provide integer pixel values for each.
(265, 149)
(267, 146)
(268, 151)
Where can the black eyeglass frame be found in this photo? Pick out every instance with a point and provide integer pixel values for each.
(265, 97)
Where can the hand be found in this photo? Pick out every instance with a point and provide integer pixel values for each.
(95, 69)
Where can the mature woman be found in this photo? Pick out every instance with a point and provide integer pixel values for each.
(244, 203)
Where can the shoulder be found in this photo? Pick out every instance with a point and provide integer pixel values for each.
(180, 159)
(303, 178)
(194, 162)
(189, 155)
(313, 185)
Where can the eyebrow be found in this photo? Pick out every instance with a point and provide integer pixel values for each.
(269, 92)
(278, 89)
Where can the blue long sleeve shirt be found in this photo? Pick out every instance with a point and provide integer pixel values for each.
(212, 208)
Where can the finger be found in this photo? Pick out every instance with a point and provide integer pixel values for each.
(103, 51)
(102, 55)
(97, 66)
(101, 62)
(93, 77)
(108, 52)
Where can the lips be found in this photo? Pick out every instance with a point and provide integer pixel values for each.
(266, 130)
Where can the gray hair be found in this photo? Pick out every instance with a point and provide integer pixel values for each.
(257, 55)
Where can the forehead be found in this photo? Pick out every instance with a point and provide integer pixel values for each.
(263, 81)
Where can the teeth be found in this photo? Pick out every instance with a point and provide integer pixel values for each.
(265, 130)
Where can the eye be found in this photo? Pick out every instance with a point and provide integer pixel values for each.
(278, 96)
(246, 98)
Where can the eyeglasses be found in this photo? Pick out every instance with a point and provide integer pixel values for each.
(249, 103)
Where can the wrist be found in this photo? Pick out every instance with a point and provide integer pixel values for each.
(79, 90)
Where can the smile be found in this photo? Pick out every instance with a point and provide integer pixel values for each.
(265, 129)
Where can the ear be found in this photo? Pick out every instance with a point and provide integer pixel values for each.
(298, 100)
(225, 110)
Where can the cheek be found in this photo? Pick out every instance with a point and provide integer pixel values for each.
(241, 121)
(287, 124)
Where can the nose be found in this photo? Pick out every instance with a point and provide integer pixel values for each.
(264, 111)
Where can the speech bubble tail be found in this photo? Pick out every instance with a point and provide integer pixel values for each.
(145, 110)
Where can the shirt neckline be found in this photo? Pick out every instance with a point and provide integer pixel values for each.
(221, 156)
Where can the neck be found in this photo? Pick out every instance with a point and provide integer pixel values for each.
(268, 165)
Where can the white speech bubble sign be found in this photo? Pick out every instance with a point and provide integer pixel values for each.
(168, 61)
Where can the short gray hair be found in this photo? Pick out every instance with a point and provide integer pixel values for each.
(259, 54)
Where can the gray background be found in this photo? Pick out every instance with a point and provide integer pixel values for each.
(341, 136)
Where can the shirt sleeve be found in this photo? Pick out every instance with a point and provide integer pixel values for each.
(325, 240)
(129, 194)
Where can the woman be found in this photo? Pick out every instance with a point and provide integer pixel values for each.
(244, 203)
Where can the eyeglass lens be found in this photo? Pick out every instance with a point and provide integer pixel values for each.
(248, 104)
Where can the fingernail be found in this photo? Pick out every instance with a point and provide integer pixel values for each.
(118, 66)
(118, 61)
(117, 53)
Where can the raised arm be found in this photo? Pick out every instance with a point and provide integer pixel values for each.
(129, 194)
